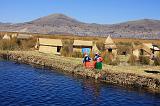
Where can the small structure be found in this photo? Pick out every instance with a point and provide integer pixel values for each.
(78, 45)
(146, 49)
(14, 35)
(6, 37)
(24, 36)
(110, 46)
(52, 46)
(95, 49)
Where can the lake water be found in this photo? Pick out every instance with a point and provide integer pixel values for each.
(23, 85)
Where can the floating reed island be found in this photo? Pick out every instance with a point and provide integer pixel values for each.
(133, 76)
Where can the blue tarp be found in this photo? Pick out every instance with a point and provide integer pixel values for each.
(86, 50)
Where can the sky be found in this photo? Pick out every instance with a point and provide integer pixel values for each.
(89, 11)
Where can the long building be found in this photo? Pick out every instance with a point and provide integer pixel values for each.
(52, 46)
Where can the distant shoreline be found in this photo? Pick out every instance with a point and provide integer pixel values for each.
(63, 35)
(66, 65)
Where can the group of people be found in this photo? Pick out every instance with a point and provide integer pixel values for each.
(97, 61)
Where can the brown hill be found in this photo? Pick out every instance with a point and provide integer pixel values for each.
(62, 24)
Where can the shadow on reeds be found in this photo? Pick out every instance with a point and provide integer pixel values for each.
(151, 71)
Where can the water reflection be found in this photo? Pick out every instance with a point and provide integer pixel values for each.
(92, 88)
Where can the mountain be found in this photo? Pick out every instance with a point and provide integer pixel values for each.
(4, 23)
(55, 19)
(62, 24)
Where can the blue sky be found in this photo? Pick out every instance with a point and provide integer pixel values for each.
(90, 11)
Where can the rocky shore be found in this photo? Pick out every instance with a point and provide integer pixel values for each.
(66, 65)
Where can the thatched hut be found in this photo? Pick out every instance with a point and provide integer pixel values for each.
(6, 37)
(24, 36)
(146, 49)
(110, 46)
(52, 46)
(95, 48)
(78, 45)
(14, 35)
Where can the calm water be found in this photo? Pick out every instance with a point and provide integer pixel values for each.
(23, 85)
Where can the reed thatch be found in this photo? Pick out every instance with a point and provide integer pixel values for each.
(79, 44)
(109, 43)
(24, 36)
(147, 49)
(95, 49)
(82, 43)
(50, 42)
(7, 37)
(52, 46)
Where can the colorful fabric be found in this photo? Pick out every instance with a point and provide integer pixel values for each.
(86, 59)
(99, 65)
(99, 59)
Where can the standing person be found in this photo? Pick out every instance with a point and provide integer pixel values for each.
(95, 59)
(98, 61)
(86, 60)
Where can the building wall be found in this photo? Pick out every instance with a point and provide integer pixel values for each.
(48, 49)
(50, 42)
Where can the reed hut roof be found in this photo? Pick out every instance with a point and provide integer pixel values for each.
(50, 42)
(148, 47)
(24, 36)
(14, 35)
(95, 49)
(151, 46)
(6, 37)
(82, 43)
(109, 43)
(138, 47)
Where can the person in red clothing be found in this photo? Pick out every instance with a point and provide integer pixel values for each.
(86, 60)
